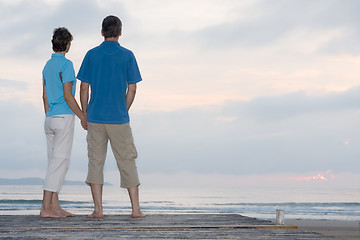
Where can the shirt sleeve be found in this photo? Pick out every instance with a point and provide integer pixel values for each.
(84, 74)
(133, 75)
(67, 72)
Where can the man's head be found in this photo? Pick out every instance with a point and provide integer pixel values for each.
(61, 40)
(111, 27)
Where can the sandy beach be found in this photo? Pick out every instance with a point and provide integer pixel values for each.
(338, 229)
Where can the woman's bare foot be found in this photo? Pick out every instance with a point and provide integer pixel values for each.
(67, 214)
(50, 214)
(98, 215)
(137, 215)
(60, 212)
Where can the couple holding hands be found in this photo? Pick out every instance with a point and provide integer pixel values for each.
(111, 72)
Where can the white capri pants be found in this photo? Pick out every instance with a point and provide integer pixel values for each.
(59, 130)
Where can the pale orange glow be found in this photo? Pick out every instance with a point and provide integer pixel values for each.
(318, 177)
(226, 119)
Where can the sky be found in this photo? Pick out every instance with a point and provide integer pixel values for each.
(234, 93)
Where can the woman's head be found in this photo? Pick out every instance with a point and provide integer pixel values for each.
(61, 40)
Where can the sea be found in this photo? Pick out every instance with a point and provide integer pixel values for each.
(258, 202)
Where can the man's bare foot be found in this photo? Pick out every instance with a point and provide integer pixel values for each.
(50, 214)
(137, 215)
(98, 215)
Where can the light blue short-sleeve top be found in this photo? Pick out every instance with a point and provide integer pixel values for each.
(56, 66)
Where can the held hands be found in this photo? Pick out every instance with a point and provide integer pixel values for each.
(83, 122)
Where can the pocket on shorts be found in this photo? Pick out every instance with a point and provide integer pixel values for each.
(57, 123)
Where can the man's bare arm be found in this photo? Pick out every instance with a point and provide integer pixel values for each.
(44, 97)
(84, 96)
(130, 95)
(71, 102)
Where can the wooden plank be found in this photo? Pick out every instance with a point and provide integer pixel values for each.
(171, 226)
(149, 228)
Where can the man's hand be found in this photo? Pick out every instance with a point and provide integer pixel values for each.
(84, 122)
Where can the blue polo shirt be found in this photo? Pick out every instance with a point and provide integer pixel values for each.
(109, 68)
(54, 85)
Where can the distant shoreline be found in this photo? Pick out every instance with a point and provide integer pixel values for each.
(39, 181)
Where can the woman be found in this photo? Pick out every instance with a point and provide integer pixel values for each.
(59, 84)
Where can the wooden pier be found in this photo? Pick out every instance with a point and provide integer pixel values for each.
(181, 226)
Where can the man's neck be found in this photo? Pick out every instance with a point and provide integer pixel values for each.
(115, 39)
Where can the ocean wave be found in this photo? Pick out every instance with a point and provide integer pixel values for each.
(36, 202)
(294, 204)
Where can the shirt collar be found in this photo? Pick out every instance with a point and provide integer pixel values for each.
(110, 43)
(57, 55)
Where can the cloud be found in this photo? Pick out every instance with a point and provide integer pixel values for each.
(26, 27)
(295, 104)
(233, 50)
(289, 133)
(22, 138)
(343, 180)
(294, 132)
(252, 93)
(234, 25)
(13, 84)
(321, 27)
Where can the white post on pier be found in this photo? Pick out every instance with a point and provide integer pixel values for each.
(280, 217)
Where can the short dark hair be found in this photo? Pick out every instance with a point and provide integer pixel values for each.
(111, 26)
(61, 38)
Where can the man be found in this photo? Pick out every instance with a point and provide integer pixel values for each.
(112, 73)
